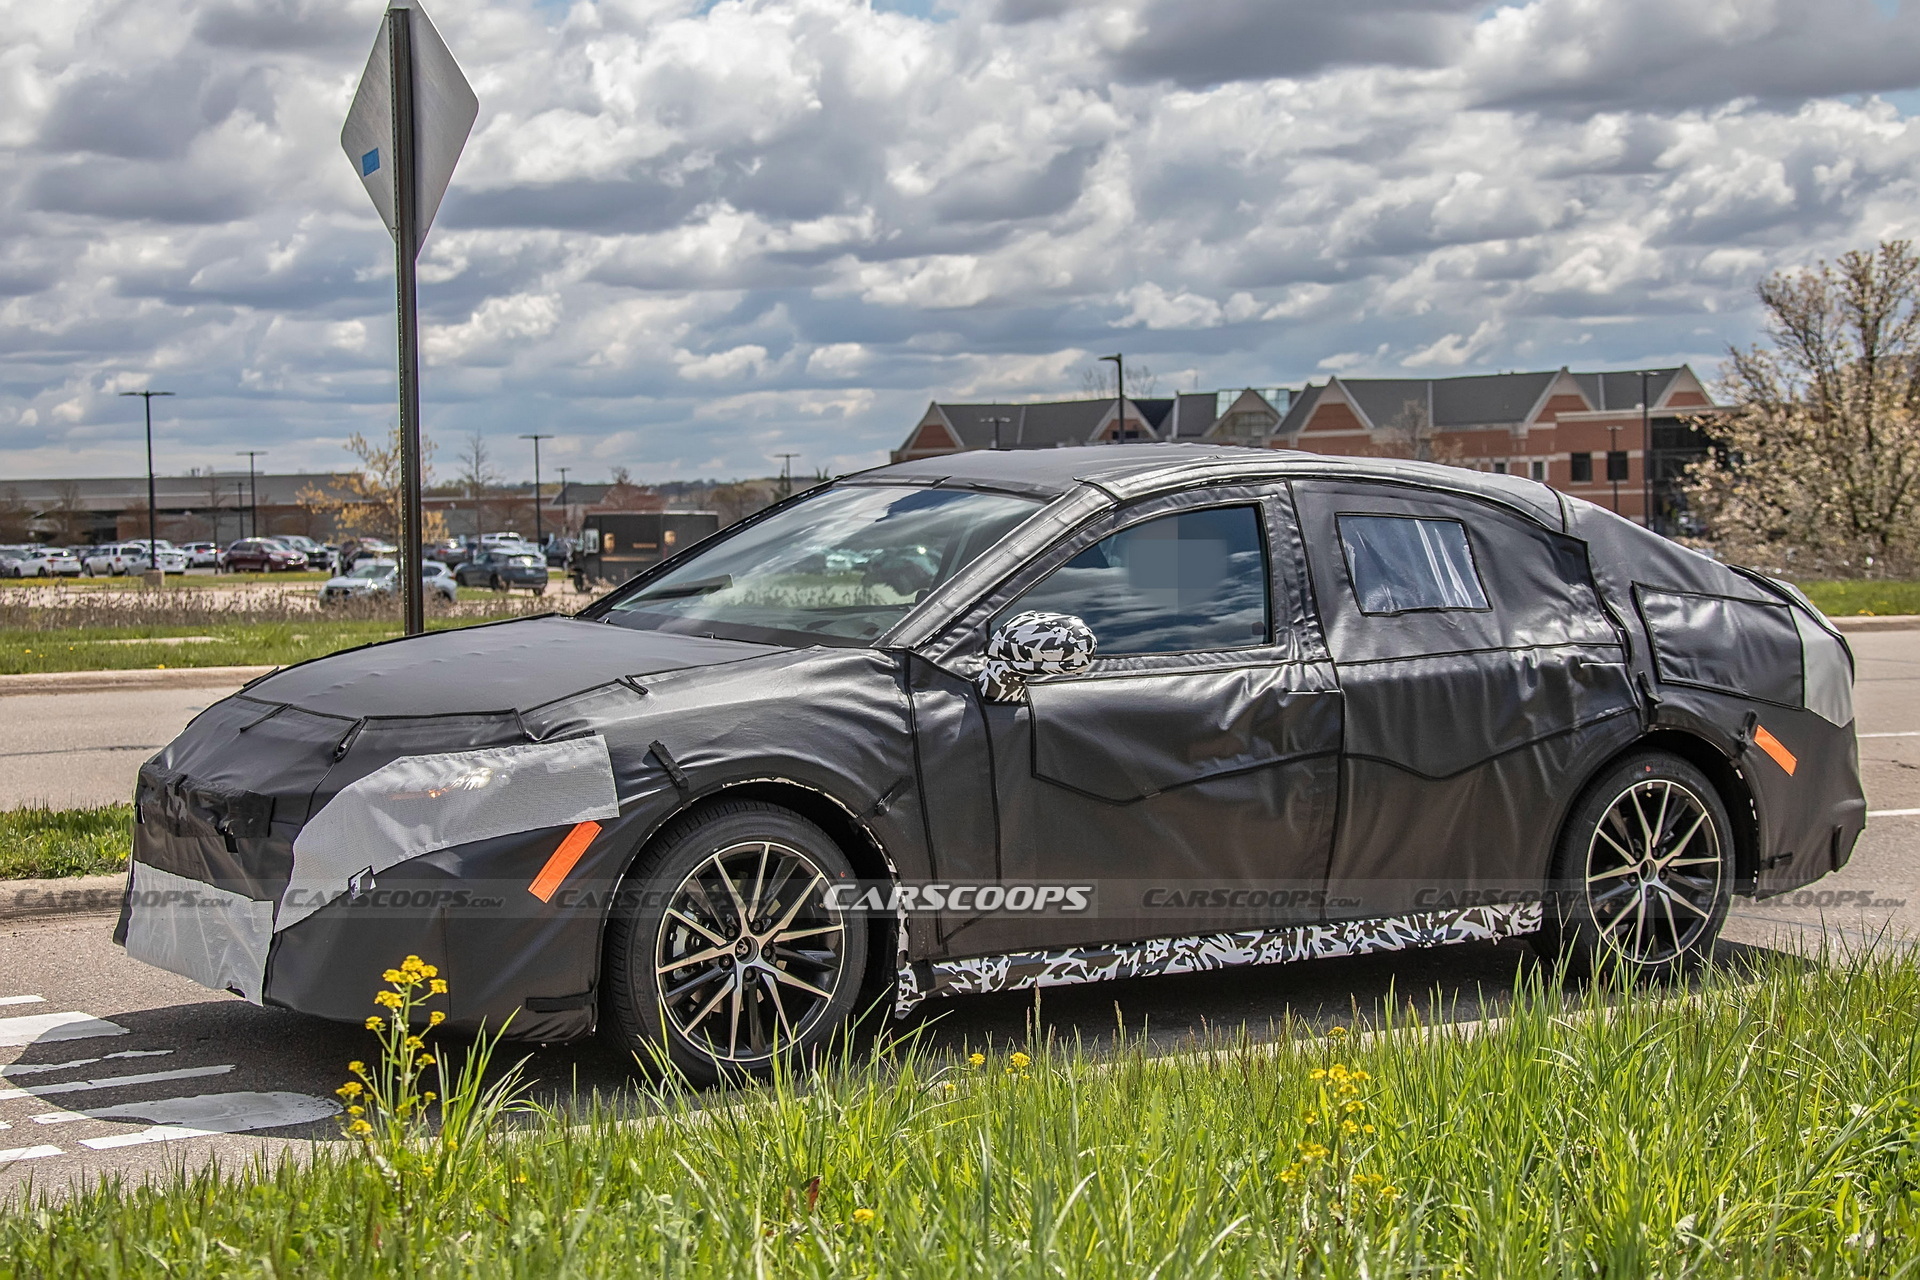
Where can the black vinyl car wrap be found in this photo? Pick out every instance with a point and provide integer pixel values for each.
(1426, 704)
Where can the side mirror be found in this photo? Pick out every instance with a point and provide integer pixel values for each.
(1034, 644)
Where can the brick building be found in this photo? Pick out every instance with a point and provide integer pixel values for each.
(1584, 433)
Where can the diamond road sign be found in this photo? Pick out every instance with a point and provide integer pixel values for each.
(444, 107)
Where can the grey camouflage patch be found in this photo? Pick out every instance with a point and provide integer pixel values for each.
(1020, 970)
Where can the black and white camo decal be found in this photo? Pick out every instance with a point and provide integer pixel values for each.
(1034, 643)
(1020, 970)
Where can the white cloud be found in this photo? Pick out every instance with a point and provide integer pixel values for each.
(680, 227)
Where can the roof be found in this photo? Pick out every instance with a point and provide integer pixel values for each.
(1129, 470)
(1455, 402)
(1622, 390)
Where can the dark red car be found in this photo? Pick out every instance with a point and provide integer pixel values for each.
(261, 555)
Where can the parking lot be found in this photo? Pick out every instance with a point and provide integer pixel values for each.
(107, 1064)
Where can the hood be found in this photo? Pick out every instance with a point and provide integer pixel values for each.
(507, 666)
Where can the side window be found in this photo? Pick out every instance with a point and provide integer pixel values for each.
(1401, 564)
(1189, 581)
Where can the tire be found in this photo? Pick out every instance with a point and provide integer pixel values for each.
(726, 1015)
(1612, 910)
(539, 591)
(495, 583)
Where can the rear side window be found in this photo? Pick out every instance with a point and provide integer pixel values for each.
(1192, 581)
(1405, 564)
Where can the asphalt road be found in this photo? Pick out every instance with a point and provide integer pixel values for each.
(83, 1030)
(76, 750)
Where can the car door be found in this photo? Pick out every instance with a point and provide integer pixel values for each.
(1483, 681)
(1187, 781)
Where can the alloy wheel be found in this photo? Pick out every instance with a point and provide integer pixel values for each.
(749, 955)
(1653, 872)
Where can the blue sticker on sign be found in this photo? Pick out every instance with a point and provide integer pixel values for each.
(369, 162)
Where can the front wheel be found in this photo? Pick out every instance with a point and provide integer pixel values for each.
(726, 953)
(1644, 873)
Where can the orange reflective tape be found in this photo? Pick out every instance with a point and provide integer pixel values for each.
(563, 860)
(1775, 748)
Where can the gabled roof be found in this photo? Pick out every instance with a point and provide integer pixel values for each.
(1049, 424)
(1482, 400)
(1622, 390)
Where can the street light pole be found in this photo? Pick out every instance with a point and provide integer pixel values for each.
(253, 492)
(1646, 452)
(786, 473)
(1613, 447)
(560, 500)
(1119, 395)
(539, 530)
(153, 524)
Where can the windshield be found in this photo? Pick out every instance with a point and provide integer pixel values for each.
(839, 568)
(373, 571)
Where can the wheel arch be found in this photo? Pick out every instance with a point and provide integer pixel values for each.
(869, 859)
(1731, 785)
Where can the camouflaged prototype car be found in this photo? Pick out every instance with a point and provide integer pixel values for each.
(1006, 719)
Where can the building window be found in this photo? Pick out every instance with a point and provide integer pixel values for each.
(1582, 472)
(1617, 464)
(1500, 468)
(1538, 470)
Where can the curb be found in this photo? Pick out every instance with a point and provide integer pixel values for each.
(71, 896)
(1888, 622)
(148, 678)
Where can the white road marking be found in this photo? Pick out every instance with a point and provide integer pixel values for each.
(44, 1028)
(114, 1082)
(28, 1153)
(36, 1068)
(1892, 813)
(1904, 733)
(23, 999)
(209, 1113)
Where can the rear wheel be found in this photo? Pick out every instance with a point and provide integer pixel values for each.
(725, 954)
(1644, 873)
(494, 582)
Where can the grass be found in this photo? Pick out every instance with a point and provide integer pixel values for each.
(231, 645)
(51, 843)
(1765, 1127)
(1857, 596)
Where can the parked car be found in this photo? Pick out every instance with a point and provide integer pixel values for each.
(261, 555)
(382, 578)
(1001, 720)
(313, 550)
(117, 558)
(201, 555)
(504, 567)
(353, 550)
(21, 562)
(559, 551)
(60, 562)
(449, 552)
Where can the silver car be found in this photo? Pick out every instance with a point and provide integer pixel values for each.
(382, 578)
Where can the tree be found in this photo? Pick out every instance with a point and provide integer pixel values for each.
(366, 503)
(1818, 466)
(477, 480)
(72, 521)
(1096, 381)
(16, 517)
(1411, 434)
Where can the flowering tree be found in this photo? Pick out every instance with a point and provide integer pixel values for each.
(366, 503)
(1818, 470)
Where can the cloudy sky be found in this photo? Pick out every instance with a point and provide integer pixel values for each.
(689, 236)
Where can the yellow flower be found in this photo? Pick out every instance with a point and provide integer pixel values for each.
(950, 1086)
(357, 1067)
(1366, 1128)
(351, 1089)
(1389, 1192)
(1318, 1073)
(415, 1042)
(1312, 1151)
(429, 971)
(1290, 1174)
(1313, 1117)
(1348, 1126)
(437, 987)
(359, 1128)
(1020, 1060)
(426, 1060)
(356, 1111)
(1338, 1033)
(862, 1216)
(391, 975)
(976, 1059)
(387, 999)
(428, 1096)
(435, 1018)
(411, 962)
(1352, 1105)
(373, 1024)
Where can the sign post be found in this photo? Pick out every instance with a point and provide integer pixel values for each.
(404, 133)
